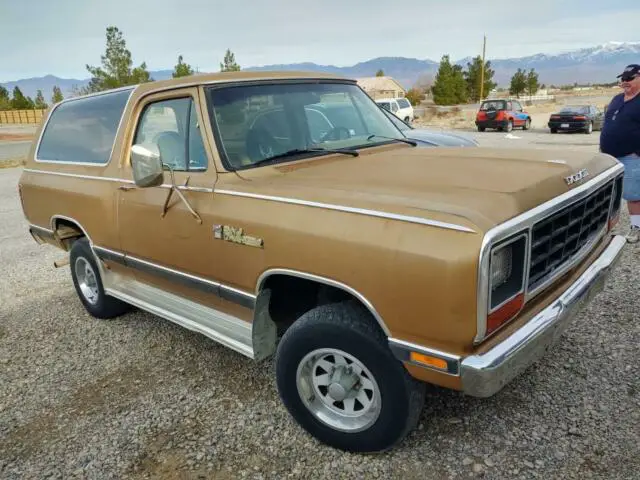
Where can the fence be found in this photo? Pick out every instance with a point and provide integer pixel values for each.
(21, 116)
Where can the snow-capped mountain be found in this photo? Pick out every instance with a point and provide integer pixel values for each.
(598, 64)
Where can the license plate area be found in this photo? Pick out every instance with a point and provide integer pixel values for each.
(564, 125)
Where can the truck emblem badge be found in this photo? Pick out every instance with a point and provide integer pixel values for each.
(236, 235)
(576, 177)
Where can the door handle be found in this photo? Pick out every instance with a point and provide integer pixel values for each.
(126, 187)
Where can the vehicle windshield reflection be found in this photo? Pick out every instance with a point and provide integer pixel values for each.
(255, 123)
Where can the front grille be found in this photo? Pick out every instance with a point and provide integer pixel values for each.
(557, 238)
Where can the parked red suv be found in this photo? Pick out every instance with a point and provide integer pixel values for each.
(503, 115)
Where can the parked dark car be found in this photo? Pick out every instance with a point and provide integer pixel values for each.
(577, 118)
(431, 138)
(503, 115)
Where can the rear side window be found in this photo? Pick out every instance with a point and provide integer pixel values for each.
(403, 102)
(83, 130)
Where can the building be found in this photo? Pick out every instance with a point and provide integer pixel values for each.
(382, 87)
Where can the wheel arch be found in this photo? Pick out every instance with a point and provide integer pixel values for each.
(67, 230)
(271, 274)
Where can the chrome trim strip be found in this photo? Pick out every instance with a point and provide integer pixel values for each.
(77, 175)
(342, 208)
(485, 374)
(86, 164)
(113, 179)
(110, 255)
(333, 283)
(524, 223)
(208, 286)
(402, 350)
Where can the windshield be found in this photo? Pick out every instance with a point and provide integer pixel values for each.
(574, 109)
(396, 121)
(493, 105)
(256, 122)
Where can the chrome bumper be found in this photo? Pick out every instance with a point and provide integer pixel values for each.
(485, 374)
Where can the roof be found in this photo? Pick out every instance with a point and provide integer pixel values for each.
(235, 77)
(219, 77)
(380, 83)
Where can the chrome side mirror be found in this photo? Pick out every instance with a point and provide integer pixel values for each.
(147, 167)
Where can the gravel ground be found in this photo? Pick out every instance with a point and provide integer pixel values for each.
(138, 397)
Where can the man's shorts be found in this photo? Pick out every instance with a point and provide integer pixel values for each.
(631, 183)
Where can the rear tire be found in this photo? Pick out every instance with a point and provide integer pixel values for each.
(88, 283)
(554, 130)
(383, 402)
(509, 126)
(481, 129)
(589, 129)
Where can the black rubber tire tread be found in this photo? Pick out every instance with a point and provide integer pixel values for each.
(106, 307)
(348, 326)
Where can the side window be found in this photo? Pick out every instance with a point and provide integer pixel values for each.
(394, 107)
(403, 102)
(83, 130)
(171, 128)
(509, 106)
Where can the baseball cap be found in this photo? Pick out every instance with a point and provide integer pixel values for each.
(629, 72)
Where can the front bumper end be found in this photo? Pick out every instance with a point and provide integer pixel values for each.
(485, 374)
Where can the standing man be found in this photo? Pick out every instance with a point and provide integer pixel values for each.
(620, 137)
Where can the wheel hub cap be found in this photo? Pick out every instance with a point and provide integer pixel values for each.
(338, 390)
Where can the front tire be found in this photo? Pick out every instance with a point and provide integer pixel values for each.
(340, 381)
(88, 283)
(527, 124)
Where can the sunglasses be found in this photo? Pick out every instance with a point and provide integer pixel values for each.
(628, 78)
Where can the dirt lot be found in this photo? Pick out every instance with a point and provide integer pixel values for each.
(139, 397)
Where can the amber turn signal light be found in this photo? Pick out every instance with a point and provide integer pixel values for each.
(505, 313)
(428, 360)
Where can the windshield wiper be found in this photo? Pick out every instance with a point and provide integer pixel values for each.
(405, 140)
(298, 151)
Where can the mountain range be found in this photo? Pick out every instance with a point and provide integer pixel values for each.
(598, 64)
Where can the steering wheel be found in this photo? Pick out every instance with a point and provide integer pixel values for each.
(260, 144)
(334, 134)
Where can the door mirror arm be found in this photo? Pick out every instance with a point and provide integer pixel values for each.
(176, 189)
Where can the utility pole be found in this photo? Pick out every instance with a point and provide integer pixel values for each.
(484, 47)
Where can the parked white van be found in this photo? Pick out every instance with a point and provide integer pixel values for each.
(400, 107)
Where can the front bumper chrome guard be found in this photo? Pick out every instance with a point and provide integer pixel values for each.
(485, 374)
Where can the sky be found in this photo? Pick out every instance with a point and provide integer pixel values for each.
(39, 37)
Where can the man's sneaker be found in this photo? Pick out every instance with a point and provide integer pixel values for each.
(634, 234)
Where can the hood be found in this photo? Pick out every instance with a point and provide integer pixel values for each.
(440, 139)
(473, 187)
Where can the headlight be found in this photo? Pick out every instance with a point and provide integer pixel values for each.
(501, 263)
(506, 270)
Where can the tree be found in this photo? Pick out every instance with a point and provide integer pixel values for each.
(473, 78)
(532, 82)
(182, 69)
(57, 95)
(39, 102)
(449, 87)
(415, 96)
(518, 83)
(19, 101)
(5, 101)
(229, 64)
(116, 70)
(380, 73)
